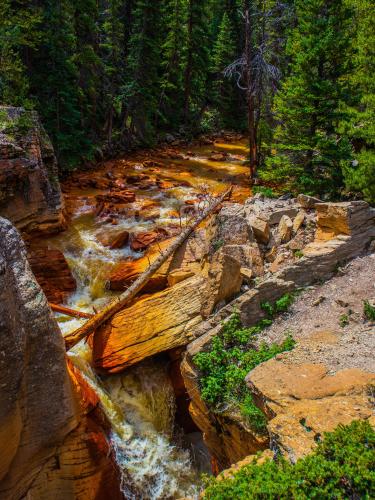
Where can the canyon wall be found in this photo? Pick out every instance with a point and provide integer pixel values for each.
(30, 194)
(51, 428)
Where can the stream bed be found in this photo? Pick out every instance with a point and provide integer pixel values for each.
(157, 461)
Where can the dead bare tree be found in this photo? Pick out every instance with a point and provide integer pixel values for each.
(254, 72)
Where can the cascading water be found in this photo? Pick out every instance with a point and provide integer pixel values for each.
(140, 408)
(139, 404)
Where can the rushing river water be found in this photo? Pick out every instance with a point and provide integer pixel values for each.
(140, 403)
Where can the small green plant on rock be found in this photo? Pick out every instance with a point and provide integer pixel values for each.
(216, 245)
(342, 466)
(232, 355)
(281, 305)
(368, 310)
(344, 320)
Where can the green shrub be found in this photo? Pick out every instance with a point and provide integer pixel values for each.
(298, 254)
(225, 366)
(342, 466)
(369, 310)
(266, 191)
(344, 320)
(281, 305)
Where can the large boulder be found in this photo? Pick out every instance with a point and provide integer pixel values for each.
(52, 446)
(348, 218)
(30, 193)
(224, 281)
(231, 226)
(155, 324)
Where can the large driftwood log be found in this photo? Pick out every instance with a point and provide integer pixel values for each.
(116, 305)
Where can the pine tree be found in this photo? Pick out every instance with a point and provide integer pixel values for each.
(360, 125)
(114, 16)
(223, 90)
(197, 59)
(143, 65)
(308, 148)
(54, 83)
(19, 33)
(170, 103)
(88, 62)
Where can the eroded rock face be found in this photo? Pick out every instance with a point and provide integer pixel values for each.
(30, 194)
(51, 447)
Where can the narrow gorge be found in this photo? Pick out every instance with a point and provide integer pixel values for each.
(254, 339)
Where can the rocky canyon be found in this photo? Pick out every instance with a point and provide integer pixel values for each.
(255, 337)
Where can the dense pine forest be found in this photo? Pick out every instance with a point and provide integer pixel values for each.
(296, 77)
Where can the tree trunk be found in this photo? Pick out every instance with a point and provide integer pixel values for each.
(119, 303)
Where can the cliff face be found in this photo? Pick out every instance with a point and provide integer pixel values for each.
(30, 194)
(52, 443)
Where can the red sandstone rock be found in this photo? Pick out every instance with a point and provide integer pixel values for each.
(120, 240)
(52, 273)
(141, 241)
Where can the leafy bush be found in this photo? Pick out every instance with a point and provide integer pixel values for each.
(224, 368)
(281, 305)
(369, 310)
(266, 191)
(342, 466)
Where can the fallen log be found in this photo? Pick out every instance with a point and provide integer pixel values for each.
(71, 339)
(69, 312)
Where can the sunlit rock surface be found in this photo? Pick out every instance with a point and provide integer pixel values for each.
(152, 325)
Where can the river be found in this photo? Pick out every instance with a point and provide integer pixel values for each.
(156, 459)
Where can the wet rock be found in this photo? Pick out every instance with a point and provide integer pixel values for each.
(141, 241)
(136, 179)
(52, 272)
(124, 196)
(285, 229)
(50, 442)
(120, 240)
(218, 157)
(30, 194)
(152, 325)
